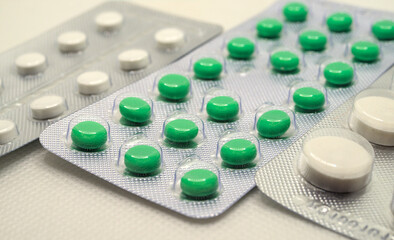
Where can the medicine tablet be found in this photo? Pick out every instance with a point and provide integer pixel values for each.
(284, 61)
(339, 22)
(238, 152)
(89, 135)
(174, 86)
(295, 12)
(313, 40)
(207, 68)
(273, 123)
(383, 30)
(240, 48)
(181, 130)
(222, 108)
(109, 21)
(30, 63)
(338, 73)
(365, 51)
(309, 98)
(134, 59)
(94, 82)
(73, 41)
(269, 28)
(8, 131)
(199, 183)
(135, 109)
(48, 107)
(170, 38)
(142, 159)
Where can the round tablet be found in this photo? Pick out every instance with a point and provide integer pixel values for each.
(240, 48)
(313, 40)
(135, 109)
(134, 59)
(273, 124)
(207, 68)
(339, 22)
(222, 108)
(295, 12)
(89, 135)
(181, 130)
(30, 63)
(365, 51)
(142, 159)
(109, 21)
(309, 98)
(383, 30)
(174, 86)
(269, 28)
(93, 82)
(48, 107)
(238, 152)
(338, 73)
(285, 61)
(170, 38)
(199, 183)
(8, 131)
(73, 41)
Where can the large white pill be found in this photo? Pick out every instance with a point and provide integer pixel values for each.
(109, 21)
(134, 59)
(8, 131)
(30, 63)
(48, 107)
(73, 41)
(93, 82)
(170, 38)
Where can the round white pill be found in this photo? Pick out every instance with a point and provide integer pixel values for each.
(30, 63)
(170, 38)
(93, 82)
(8, 131)
(48, 107)
(109, 21)
(134, 59)
(73, 41)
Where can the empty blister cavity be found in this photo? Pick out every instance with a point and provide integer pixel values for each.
(170, 38)
(286, 61)
(93, 82)
(221, 105)
(31, 63)
(337, 73)
(172, 87)
(71, 42)
(207, 66)
(109, 21)
(48, 107)
(130, 109)
(8, 131)
(134, 59)
(307, 97)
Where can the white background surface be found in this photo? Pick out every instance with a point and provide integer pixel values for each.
(45, 197)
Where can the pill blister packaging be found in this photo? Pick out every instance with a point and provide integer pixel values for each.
(252, 84)
(80, 61)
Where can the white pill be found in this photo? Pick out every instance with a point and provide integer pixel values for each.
(170, 38)
(109, 21)
(8, 131)
(48, 107)
(73, 41)
(93, 82)
(134, 59)
(30, 63)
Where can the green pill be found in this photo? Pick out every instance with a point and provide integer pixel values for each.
(269, 28)
(365, 51)
(142, 159)
(313, 40)
(295, 12)
(135, 109)
(181, 130)
(273, 124)
(285, 61)
(199, 183)
(207, 68)
(383, 30)
(338, 73)
(89, 135)
(238, 152)
(309, 98)
(222, 108)
(240, 48)
(174, 86)
(339, 22)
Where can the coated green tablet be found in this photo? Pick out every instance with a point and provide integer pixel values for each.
(222, 108)
(238, 152)
(284, 61)
(309, 98)
(383, 30)
(174, 86)
(313, 40)
(295, 12)
(135, 109)
(142, 159)
(273, 123)
(338, 73)
(89, 135)
(269, 28)
(199, 183)
(207, 68)
(365, 51)
(240, 48)
(181, 130)
(339, 22)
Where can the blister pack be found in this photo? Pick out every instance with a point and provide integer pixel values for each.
(192, 136)
(85, 59)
